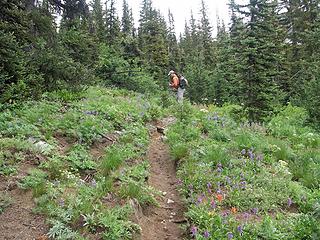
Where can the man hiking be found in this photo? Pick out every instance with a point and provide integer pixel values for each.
(178, 84)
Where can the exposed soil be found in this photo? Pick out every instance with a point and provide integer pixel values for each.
(18, 221)
(163, 222)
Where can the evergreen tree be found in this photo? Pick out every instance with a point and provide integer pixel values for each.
(129, 41)
(98, 26)
(153, 41)
(174, 54)
(260, 54)
(127, 22)
(112, 23)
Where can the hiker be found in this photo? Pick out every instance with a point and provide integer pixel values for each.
(178, 84)
(183, 83)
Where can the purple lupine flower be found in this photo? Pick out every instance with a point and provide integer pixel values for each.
(200, 199)
(243, 184)
(243, 152)
(289, 202)
(206, 234)
(259, 157)
(194, 231)
(179, 182)
(251, 154)
(255, 210)
(213, 204)
(240, 230)
(230, 235)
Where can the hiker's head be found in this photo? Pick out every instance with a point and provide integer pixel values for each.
(171, 72)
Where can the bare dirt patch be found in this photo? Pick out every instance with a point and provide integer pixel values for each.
(163, 222)
(18, 220)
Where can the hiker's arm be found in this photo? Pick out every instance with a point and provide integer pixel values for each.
(187, 83)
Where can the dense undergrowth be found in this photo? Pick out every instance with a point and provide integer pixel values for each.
(87, 166)
(246, 180)
(91, 159)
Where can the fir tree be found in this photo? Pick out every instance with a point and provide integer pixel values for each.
(112, 23)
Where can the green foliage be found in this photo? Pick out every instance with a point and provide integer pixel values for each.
(61, 231)
(116, 224)
(114, 70)
(231, 185)
(139, 191)
(36, 181)
(5, 201)
(79, 158)
(112, 160)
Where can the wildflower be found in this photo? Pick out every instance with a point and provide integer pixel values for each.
(200, 199)
(179, 182)
(243, 184)
(213, 204)
(234, 210)
(211, 213)
(194, 231)
(251, 154)
(243, 152)
(220, 197)
(255, 210)
(259, 157)
(206, 234)
(230, 235)
(289, 202)
(240, 230)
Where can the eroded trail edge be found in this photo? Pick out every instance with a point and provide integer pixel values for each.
(163, 222)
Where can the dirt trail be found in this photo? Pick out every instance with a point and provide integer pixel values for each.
(18, 222)
(164, 222)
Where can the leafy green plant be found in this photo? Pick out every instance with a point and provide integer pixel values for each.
(36, 180)
(115, 223)
(5, 201)
(138, 191)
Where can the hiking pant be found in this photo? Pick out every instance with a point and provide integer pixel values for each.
(180, 94)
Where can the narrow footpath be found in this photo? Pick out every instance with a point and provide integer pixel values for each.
(163, 222)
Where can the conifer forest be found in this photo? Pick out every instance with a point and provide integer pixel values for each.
(94, 144)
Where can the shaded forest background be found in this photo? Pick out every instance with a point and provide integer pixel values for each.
(268, 56)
